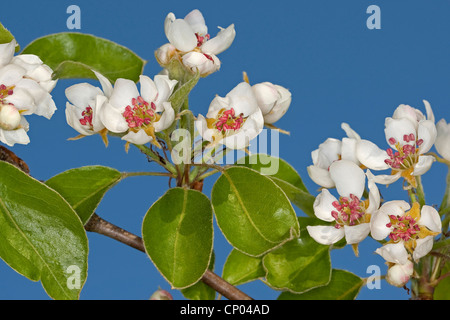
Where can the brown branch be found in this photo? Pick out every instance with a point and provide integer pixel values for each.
(10, 157)
(101, 226)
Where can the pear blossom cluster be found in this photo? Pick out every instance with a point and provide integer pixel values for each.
(407, 230)
(25, 86)
(137, 115)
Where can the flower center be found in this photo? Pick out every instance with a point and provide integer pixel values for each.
(349, 212)
(140, 114)
(406, 156)
(87, 117)
(5, 91)
(403, 228)
(227, 121)
(202, 39)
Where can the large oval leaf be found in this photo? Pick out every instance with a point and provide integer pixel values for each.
(85, 187)
(285, 176)
(253, 213)
(343, 285)
(73, 55)
(41, 236)
(178, 235)
(6, 36)
(299, 265)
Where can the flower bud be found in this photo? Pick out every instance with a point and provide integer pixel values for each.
(165, 54)
(273, 100)
(9, 117)
(442, 142)
(398, 274)
(161, 294)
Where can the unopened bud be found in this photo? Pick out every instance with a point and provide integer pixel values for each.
(161, 294)
(9, 117)
(273, 100)
(399, 274)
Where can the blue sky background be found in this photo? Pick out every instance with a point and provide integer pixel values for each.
(336, 68)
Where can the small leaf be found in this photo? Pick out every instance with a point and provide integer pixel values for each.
(299, 265)
(343, 285)
(178, 236)
(241, 268)
(181, 93)
(6, 36)
(252, 212)
(73, 55)
(442, 290)
(85, 187)
(41, 236)
(285, 176)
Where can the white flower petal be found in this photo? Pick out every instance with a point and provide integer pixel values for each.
(397, 128)
(164, 87)
(423, 247)
(428, 133)
(105, 83)
(180, 34)
(423, 165)
(82, 94)
(166, 118)
(11, 74)
(197, 61)
(328, 152)
(348, 150)
(124, 91)
(429, 217)
(196, 21)
(139, 137)
(11, 137)
(320, 176)
(149, 92)
(323, 205)
(387, 178)
(221, 42)
(442, 143)
(7, 52)
(374, 193)
(325, 234)
(113, 119)
(395, 253)
(350, 132)
(357, 233)
(430, 114)
(371, 156)
(348, 177)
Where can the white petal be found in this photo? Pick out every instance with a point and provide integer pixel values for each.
(113, 119)
(202, 128)
(11, 74)
(328, 152)
(180, 34)
(170, 18)
(374, 193)
(243, 100)
(164, 87)
(221, 42)
(430, 114)
(397, 128)
(428, 133)
(371, 156)
(73, 116)
(349, 131)
(166, 118)
(124, 91)
(149, 92)
(423, 165)
(7, 52)
(429, 217)
(320, 176)
(105, 83)
(395, 253)
(387, 178)
(197, 61)
(82, 94)
(325, 234)
(281, 106)
(406, 111)
(323, 205)
(139, 137)
(12, 137)
(197, 22)
(348, 177)
(423, 247)
(357, 233)
(348, 150)
(378, 228)
(442, 143)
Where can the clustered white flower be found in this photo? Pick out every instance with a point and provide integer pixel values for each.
(25, 86)
(408, 229)
(137, 115)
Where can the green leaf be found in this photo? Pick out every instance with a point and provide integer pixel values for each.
(343, 285)
(252, 212)
(178, 236)
(41, 236)
(442, 290)
(285, 176)
(181, 93)
(73, 55)
(200, 290)
(6, 36)
(85, 187)
(299, 265)
(240, 268)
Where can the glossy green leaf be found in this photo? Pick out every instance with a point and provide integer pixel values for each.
(252, 212)
(285, 176)
(73, 55)
(343, 285)
(85, 187)
(299, 265)
(178, 236)
(6, 36)
(41, 236)
(200, 290)
(240, 268)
